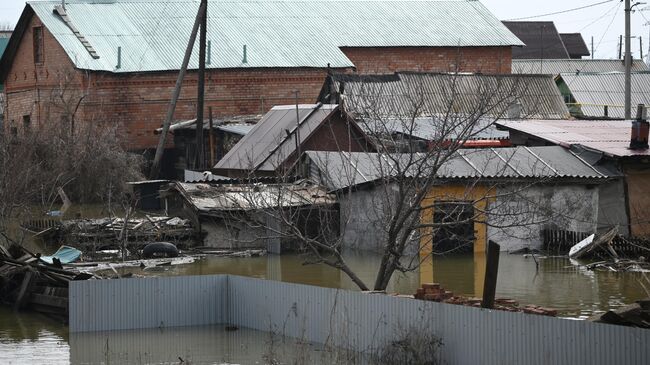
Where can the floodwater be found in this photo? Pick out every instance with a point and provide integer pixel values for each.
(557, 283)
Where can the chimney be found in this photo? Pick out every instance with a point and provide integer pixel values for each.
(640, 129)
(514, 110)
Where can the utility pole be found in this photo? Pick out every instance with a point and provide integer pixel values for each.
(155, 167)
(628, 62)
(200, 102)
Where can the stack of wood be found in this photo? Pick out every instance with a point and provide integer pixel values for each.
(435, 292)
(26, 282)
(634, 315)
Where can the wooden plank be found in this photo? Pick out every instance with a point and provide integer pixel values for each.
(49, 300)
(491, 274)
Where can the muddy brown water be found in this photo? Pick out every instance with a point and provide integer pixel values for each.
(557, 283)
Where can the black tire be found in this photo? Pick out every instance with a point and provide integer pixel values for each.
(159, 249)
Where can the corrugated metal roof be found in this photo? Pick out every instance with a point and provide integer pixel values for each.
(609, 137)
(208, 198)
(338, 170)
(430, 129)
(541, 38)
(153, 34)
(240, 124)
(240, 129)
(555, 67)
(424, 94)
(272, 140)
(592, 91)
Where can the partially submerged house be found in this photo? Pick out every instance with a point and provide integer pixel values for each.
(120, 58)
(602, 95)
(509, 195)
(602, 142)
(272, 147)
(260, 215)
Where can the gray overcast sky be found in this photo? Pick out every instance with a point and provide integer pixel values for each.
(593, 21)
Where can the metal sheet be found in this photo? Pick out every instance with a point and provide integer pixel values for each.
(592, 91)
(609, 137)
(354, 320)
(286, 33)
(338, 170)
(556, 67)
(147, 303)
(272, 141)
(410, 94)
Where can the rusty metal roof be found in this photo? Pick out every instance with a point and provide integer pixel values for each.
(338, 170)
(414, 94)
(214, 198)
(609, 137)
(153, 34)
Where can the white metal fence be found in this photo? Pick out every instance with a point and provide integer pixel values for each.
(354, 320)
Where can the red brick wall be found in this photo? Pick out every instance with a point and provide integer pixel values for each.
(29, 86)
(138, 102)
(382, 60)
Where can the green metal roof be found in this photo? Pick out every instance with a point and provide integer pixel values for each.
(281, 33)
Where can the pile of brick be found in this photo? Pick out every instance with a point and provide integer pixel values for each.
(433, 292)
(436, 293)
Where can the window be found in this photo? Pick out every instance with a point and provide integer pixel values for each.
(455, 233)
(27, 121)
(38, 44)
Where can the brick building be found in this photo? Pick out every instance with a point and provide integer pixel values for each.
(118, 59)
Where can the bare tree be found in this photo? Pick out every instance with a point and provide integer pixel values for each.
(409, 212)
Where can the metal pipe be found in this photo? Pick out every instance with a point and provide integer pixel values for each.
(119, 58)
(245, 60)
(209, 54)
(628, 62)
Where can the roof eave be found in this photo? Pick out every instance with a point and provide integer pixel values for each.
(10, 52)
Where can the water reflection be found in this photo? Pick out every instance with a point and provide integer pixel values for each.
(29, 338)
(556, 283)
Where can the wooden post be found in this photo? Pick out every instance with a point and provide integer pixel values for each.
(491, 273)
(155, 167)
(200, 102)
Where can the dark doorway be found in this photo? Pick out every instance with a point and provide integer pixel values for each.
(454, 231)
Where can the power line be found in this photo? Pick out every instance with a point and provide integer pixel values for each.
(562, 11)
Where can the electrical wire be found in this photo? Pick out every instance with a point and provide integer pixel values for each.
(562, 11)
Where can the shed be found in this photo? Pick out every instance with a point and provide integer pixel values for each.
(260, 215)
(608, 142)
(273, 145)
(511, 194)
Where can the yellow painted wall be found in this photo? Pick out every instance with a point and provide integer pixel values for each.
(480, 196)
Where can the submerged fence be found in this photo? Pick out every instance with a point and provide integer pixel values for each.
(353, 320)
